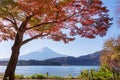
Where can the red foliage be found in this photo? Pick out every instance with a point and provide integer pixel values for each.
(47, 18)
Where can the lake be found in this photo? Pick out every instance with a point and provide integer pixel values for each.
(52, 70)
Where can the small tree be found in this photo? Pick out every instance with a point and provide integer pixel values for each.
(48, 19)
(110, 57)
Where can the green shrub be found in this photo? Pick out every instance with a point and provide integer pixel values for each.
(47, 74)
(103, 74)
(38, 76)
(84, 75)
(19, 76)
(69, 77)
(33, 76)
(55, 77)
(95, 75)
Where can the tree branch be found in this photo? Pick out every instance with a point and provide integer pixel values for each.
(41, 25)
(32, 38)
(15, 23)
(15, 26)
(24, 23)
(50, 22)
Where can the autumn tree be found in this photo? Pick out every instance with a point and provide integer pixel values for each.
(59, 20)
(110, 58)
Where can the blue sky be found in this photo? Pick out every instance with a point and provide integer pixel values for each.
(78, 47)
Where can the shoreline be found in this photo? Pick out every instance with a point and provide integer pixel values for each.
(1, 74)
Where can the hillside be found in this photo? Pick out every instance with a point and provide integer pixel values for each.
(91, 59)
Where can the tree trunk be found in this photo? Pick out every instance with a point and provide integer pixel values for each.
(10, 70)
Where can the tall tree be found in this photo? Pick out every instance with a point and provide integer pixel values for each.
(110, 57)
(59, 20)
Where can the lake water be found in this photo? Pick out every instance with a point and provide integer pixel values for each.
(52, 70)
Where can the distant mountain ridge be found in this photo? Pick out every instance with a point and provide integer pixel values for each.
(86, 60)
(41, 54)
(90, 59)
(47, 56)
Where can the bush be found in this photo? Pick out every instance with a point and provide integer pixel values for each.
(19, 76)
(103, 74)
(84, 75)
(69, 77)
(38, 76)
(95, 75)
(55, 77)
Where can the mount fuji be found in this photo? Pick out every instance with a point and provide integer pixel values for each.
(41, 54)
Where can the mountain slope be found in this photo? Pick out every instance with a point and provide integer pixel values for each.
(91, 56)
(90, 59)
(41, 54)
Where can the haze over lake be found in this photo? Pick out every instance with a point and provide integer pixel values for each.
(52, 70)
